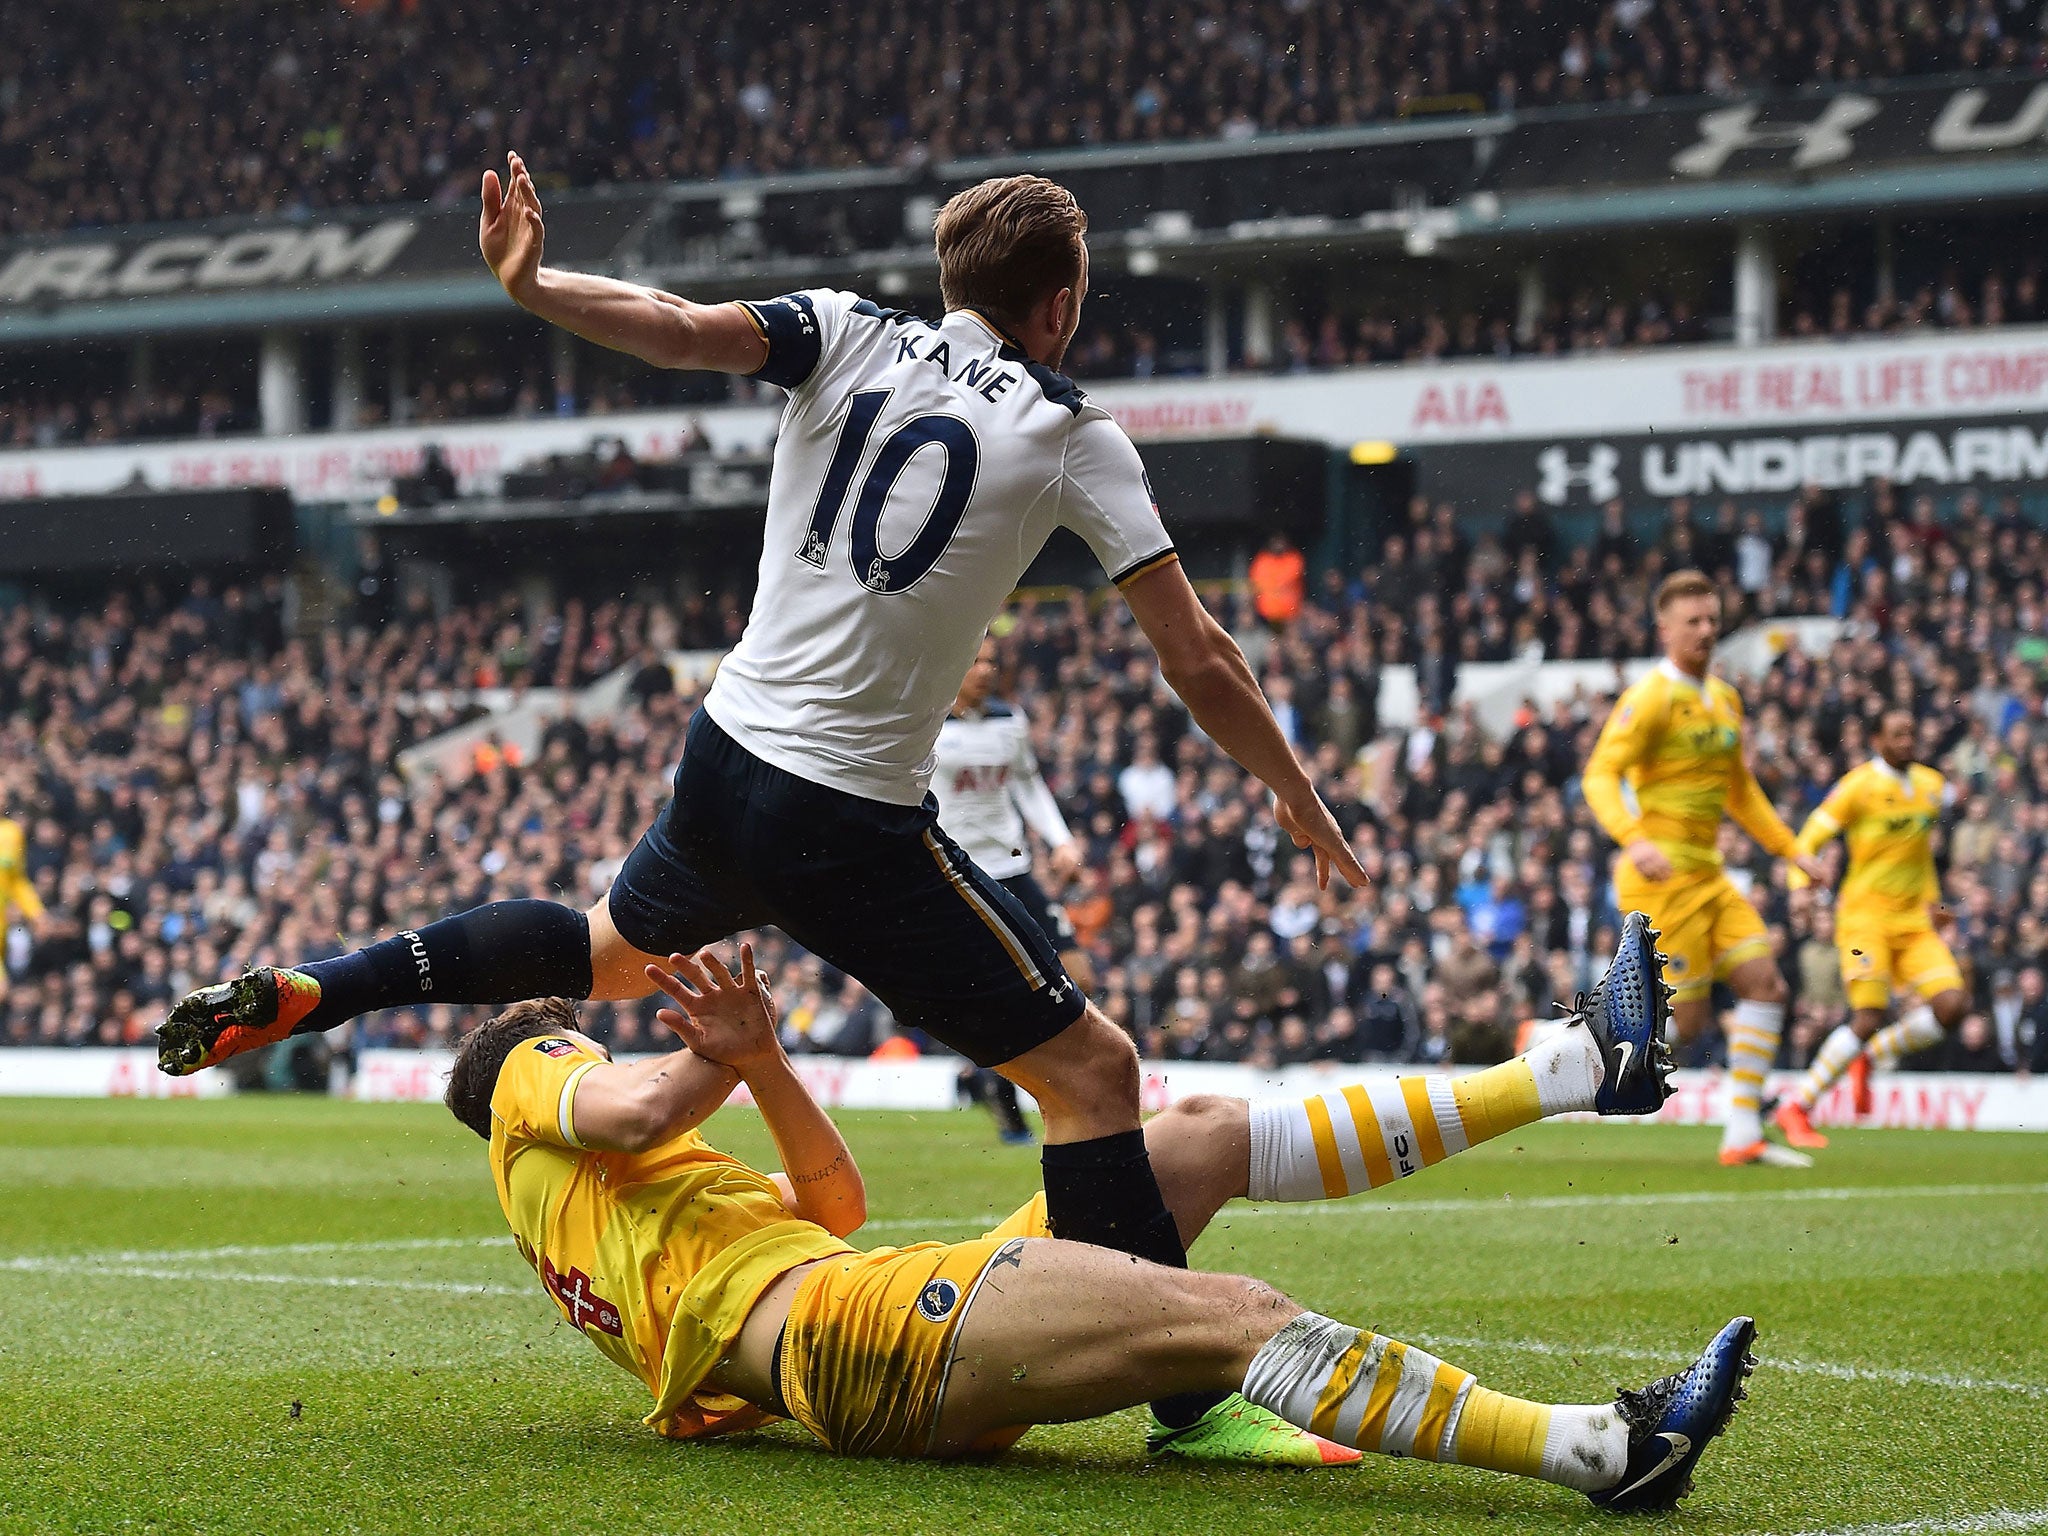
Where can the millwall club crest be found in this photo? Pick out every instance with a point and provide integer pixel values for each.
(935, 1303)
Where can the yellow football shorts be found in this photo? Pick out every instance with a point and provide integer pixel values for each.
(1705, 926)
(1882, 950)
(869, 1340)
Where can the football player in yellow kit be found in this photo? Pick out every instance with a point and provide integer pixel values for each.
(1668, 765)
(732, 1294)
(17, 891)
(1885, 810)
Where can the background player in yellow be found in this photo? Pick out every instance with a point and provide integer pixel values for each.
(1669, 764)
(732, 1294)
(17, 891)
(1885, 811)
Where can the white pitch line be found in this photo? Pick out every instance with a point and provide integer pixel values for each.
(250, 1250)
(1239, 1212)
(1327, 1209)
(1948, 1381)
(1947, 1525)
(173, 1265)
(231, 1277)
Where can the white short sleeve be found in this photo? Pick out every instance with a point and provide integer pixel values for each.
(1106, 498)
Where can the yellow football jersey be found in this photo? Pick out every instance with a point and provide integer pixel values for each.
(1676, 743)
(16, 891)
(1886, 817)
(656, 1256)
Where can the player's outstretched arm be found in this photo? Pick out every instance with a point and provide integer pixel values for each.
(1820, 829)
(1204, 666)
(732, 1020)
(1754, 813)
(655, 327)
(631, 1106)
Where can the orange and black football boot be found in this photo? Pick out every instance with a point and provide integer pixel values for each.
(257, 1008)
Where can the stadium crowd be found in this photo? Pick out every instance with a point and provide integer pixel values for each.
(202, 786)
(1583, 321)
(261, 109)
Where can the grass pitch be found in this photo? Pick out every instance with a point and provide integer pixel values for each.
(280, 1316)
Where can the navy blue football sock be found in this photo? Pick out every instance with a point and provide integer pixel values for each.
(500, 953)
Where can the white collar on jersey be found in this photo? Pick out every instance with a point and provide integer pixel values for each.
(1903, 777)
(1002, 337)
(1678, 674)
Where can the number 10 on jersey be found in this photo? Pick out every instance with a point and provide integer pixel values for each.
(874, 570)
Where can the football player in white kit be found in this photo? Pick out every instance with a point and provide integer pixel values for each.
(920, 467)
(989, 789)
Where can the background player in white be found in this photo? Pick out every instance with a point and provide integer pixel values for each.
(919, 469)
(989, 789)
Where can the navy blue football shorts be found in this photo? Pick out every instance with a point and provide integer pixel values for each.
(873, 888)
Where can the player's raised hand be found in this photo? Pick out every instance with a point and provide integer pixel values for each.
(722, 1018)
(1812, 866)
(510, 231)
(1309, 822)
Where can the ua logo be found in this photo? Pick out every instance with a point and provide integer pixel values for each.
(1558, 474)
(1821, 142)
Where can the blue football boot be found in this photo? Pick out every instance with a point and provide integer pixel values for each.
(1626, 1013)
(1670, 1421)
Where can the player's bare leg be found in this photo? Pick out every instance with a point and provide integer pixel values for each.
(1085, 1079)
(618, 971)
(1100, 1188)
(1059, 1332)
(498, 953)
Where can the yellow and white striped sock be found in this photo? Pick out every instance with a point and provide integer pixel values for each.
(1915, 1030)
(1752, 1047)
(1377, 1394)
(1836, 1052)
(1368, 1134)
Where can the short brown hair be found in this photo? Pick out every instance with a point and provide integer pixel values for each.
(1681, 584)
(482, 1054)
(1007, 244)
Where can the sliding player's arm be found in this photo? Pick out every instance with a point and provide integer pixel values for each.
(1631, 731)
(733, 1021)
(655, 327)
(632, 1106)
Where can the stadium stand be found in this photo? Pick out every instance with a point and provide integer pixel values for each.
(262, 109)
(206, 786)
(38, 411)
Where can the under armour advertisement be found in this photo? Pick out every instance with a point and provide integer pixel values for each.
(1857, 128)
(2007, 452)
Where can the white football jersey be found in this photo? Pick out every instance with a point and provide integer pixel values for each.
(919, 469)
(988, 786)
